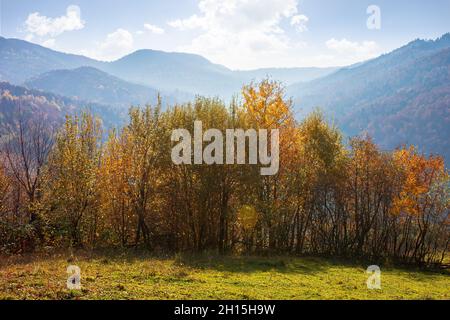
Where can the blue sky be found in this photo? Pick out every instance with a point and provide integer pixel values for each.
(240, 34)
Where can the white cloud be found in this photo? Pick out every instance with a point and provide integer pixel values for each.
(299, 21)
(192, 22)
(29, 37)
(154, 29)
(114, 46)
(40, 25)
(352, 51)
(242, 33)
(346, 52)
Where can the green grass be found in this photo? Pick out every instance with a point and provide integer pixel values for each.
(138, 277)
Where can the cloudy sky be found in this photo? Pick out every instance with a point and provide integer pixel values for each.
(240, 34)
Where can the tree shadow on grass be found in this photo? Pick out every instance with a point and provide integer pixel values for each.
(295, 265)
(243, 264)
(233, 264)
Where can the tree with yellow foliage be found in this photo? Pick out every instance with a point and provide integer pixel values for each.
(145, 148)
(71, 188)
(4, 188)
(317, 179)
(116, 187)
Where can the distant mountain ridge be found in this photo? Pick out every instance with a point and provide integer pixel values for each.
(399, 98)
(402, 97)
(193, 73)
(88, 83)
(289, 76)
(182, 74)
(21, 60)
(347, 86)
(170, 71)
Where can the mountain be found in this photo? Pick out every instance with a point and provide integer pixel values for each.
(179, 75)
(21, 60)
(399, 98)
(195, 74)
(170, 71)
(288, 76)
(87, 83)
(51, 107)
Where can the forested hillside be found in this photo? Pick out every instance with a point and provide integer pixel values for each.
(90, 84)
(399, 98)
(21, 103)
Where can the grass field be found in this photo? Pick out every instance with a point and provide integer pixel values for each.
(136, 277)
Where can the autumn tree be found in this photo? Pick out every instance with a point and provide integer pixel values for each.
(26, 148)
(371, 187)
(146, 146)
(4, 189)
(116, 189)
(71, 191)
(5, 219)
(316, 182)
(422, 207)
(265, 107)
(202, 193)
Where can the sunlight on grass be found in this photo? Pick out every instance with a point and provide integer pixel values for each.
(129, 277)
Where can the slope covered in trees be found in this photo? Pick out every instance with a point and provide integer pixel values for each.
(21, 103)
(399, 98)
(90, 84)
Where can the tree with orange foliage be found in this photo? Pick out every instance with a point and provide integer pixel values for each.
(422, 206)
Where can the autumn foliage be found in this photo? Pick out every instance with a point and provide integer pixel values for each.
(120, 188)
